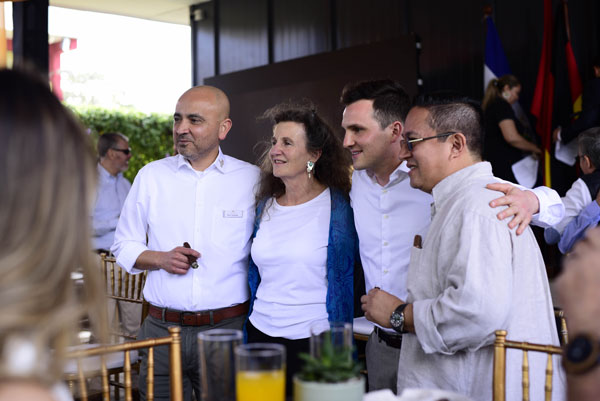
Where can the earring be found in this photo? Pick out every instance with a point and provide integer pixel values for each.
(310, 165)
(505, 95)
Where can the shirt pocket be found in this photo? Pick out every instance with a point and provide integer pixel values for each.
(231, 227)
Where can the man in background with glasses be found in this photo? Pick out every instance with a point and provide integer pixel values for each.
(113, 160)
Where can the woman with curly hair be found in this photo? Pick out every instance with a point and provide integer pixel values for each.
(304, 242)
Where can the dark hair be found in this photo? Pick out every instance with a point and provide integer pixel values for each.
(108, 141)
(390, 100)
(450, 111)
(589, 145)
(333, 167)
(495, 86)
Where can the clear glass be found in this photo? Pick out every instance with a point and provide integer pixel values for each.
(260, 372)
(217, 373)
(339, 336)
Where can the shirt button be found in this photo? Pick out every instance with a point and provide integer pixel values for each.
(386, 271)
(385, 243)
(384, 191)
(385, 216)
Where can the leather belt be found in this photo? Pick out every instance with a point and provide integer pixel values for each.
(391, 339)
(201, 318)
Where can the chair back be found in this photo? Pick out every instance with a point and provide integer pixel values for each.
(499, 372)
(173, 341)
(561, 324)
(123, 286)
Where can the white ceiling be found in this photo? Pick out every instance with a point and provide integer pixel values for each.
(173, 11)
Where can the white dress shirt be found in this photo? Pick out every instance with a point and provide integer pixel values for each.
(110, 196)
(387, 218)
(290, 251)
(575, 200)
(212, 210)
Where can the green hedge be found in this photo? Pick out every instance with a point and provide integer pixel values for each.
(150, 135)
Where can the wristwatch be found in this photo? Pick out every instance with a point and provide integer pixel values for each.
(397, 318)
(581, 355)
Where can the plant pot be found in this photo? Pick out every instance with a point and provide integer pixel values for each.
(351, 390)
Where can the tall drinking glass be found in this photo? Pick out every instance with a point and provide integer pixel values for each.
(260, 372)
(339, 337)
(217, 372)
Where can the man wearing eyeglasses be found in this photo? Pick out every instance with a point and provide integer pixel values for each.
(388, 213)
(113, 155)
(471, 274)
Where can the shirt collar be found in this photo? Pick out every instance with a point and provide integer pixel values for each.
(458, 180)
(104, 174)
(220, 163)
(399, 174)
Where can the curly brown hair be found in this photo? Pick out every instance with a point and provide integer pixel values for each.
(333, 167)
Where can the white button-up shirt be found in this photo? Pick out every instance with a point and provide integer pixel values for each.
(213, 210)
(387, 218)
(110, 196)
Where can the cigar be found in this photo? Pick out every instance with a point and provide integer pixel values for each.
(191, 260)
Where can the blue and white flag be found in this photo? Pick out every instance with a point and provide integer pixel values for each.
(496, 63)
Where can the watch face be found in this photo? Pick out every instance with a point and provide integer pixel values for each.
(396, 320)
(579, 350)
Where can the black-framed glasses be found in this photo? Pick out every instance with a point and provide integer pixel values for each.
(125, 151)
(409, 142)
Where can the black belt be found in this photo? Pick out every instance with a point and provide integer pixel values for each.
(391, 339)
(201, 318)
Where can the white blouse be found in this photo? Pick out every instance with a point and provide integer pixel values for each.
(290, 251)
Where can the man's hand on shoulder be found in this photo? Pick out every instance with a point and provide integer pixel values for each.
(521, 204)
(378, 306)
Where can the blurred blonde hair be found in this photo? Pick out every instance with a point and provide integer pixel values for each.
(47, 176)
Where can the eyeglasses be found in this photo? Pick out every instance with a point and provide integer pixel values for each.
(409, 142)
(125, 151)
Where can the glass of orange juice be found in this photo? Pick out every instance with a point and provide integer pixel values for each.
(260, 372)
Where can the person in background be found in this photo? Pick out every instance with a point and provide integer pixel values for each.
(200, 197)
(113, 159)
(304, 242)
(48, 177)
(590, 108)
(581, 200)
(505, 142)
(578, 289)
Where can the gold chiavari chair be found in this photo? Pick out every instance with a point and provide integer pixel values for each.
(83, 357)
(563, 333)
(499, 372)
(125, 288)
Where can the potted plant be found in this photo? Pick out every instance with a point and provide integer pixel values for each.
(333, 375)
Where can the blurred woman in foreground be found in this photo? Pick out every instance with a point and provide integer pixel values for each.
(47, 176)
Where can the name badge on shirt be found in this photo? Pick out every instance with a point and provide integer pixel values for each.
(233, 214)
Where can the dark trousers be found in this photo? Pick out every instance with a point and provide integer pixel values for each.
(190, 364)
(292, 349)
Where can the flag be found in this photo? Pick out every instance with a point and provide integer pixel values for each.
(563, 37)
(542, 104)
(495, 62)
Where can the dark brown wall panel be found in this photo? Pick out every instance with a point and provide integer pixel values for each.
(243, 41)
(360, 21)
(301, 28)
